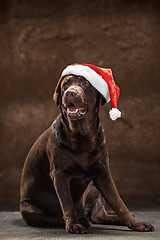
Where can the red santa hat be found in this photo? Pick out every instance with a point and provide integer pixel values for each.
(102, 80)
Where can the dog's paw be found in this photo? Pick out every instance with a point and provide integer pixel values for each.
(141, 227)
(76, 228)
(84, 221)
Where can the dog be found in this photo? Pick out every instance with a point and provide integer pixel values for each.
(66, 179)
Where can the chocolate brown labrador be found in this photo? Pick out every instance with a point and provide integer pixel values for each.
(66, 179)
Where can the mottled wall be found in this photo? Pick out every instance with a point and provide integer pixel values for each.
(38, 39)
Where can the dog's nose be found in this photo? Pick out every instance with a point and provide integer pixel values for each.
(71, 93)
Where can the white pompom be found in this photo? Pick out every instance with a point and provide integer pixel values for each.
(114, 113)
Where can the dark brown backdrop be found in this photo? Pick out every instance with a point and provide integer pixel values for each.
(37, 40)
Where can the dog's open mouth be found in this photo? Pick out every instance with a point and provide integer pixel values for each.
(75, 112)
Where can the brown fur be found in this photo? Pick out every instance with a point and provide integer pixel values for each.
(66, 177)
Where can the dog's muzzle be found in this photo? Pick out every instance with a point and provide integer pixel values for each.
(73, 101)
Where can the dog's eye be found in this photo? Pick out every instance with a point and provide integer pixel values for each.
(65, 85)
(85, 83)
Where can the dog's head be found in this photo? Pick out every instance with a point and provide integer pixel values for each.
(76, 97)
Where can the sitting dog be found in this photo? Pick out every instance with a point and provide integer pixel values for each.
(66, 178)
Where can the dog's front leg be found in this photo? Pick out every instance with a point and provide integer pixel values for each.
(69, 213)
(105, 184)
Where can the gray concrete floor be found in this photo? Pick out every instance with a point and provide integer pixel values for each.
(13, 227)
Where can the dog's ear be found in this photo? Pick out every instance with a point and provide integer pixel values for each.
(103, 101)
(100, 100)
(57, 92)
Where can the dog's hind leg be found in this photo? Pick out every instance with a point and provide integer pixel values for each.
(100, 216)
(37, 217)
(95, 208)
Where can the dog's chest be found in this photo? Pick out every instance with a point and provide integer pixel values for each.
(78, 164)
(82, 145)
(82, 160)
